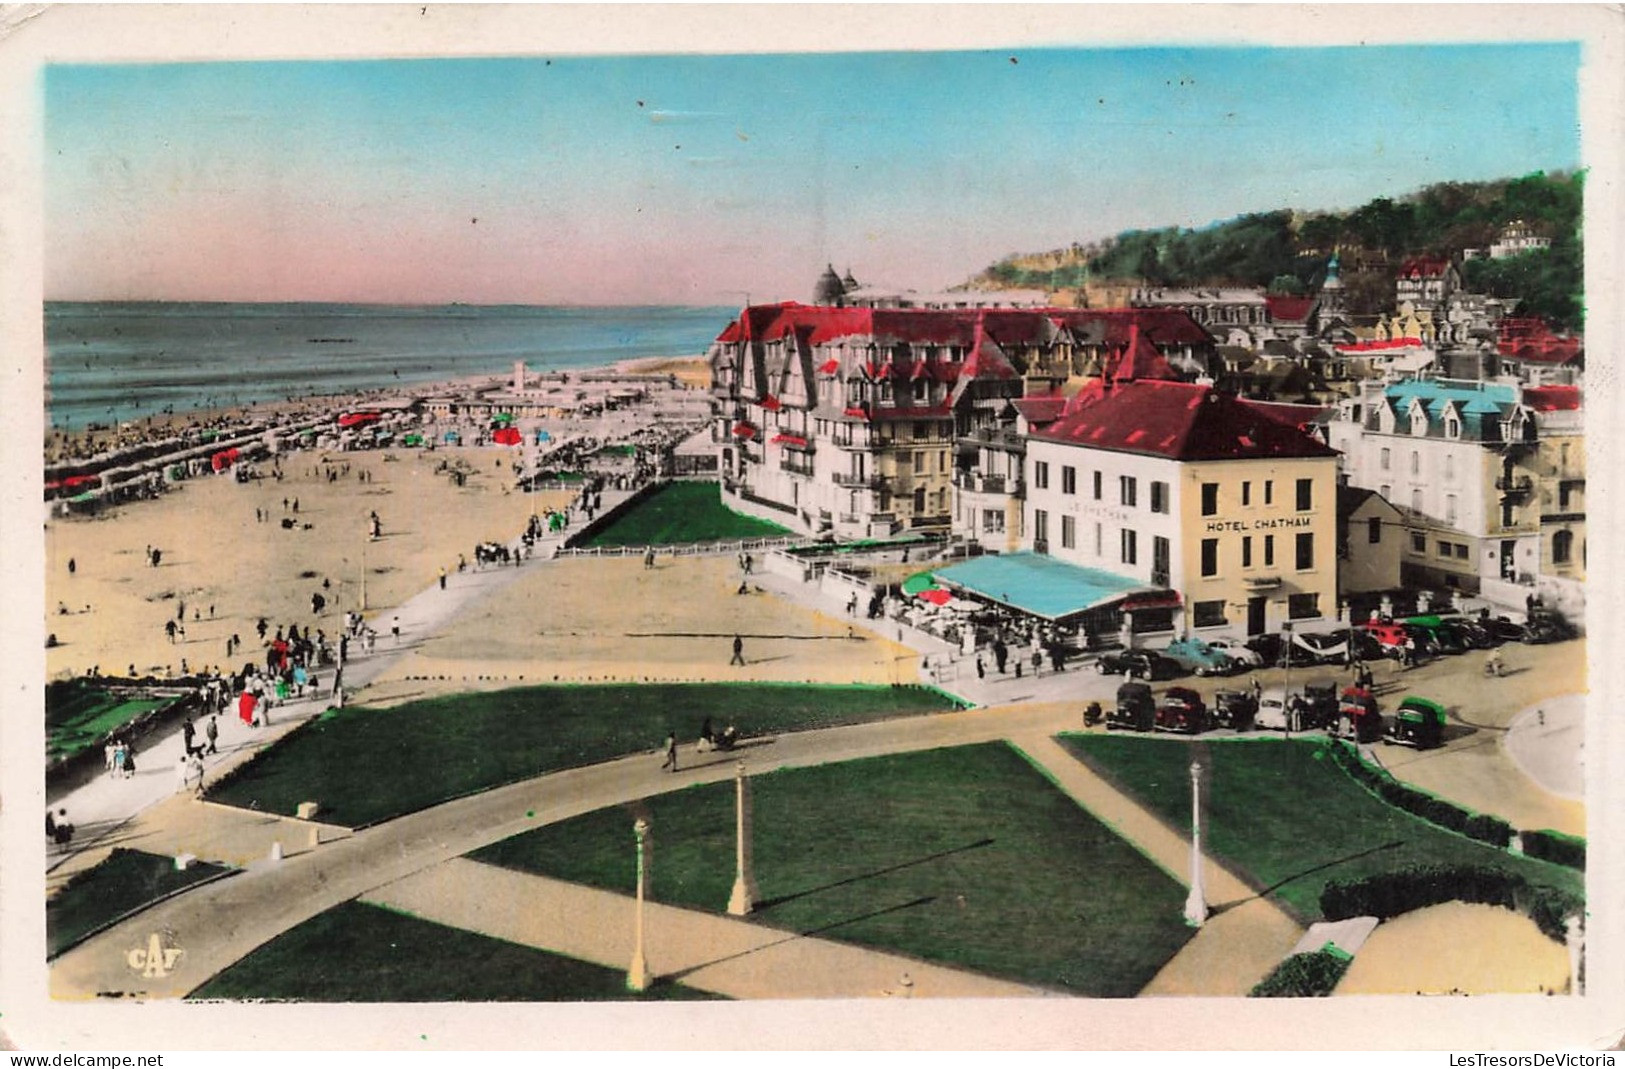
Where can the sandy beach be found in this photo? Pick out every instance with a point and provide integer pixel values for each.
(216, 558)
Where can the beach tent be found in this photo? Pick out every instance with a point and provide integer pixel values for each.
(501, 419)
(507, 436)
(412, 439)
(543, 436)
(453, 438)
(224, 459)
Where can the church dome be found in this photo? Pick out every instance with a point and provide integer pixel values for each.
(830, 288)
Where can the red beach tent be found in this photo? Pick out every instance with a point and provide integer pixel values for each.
(358, 419)
(507, 436)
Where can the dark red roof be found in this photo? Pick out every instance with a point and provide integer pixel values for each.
(1139, 359)
(1378, 346)
(1181, 421)
(1424, 267)
(1531, 339)
(1288, 309)
(1041, 410)
(1552, 398)
(1294, 416)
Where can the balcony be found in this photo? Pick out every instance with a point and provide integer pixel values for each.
(861, 443)
(1515, 484)
(795, 466)
(941, 520)
(852, 479)
(977, 483)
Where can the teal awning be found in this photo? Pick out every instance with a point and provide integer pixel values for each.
(1038, 584)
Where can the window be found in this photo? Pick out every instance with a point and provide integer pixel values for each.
(1419, 542)
(1041, 475)
(1444, 549)
(1040, 530)
(922, 430)
(1269, 551)
(942, 460)
(1461, 550)
(1302, 606)
(1209, 613)
(1269, 491)
(905, 462)
(1562, 547)
(1452, 427)
(1099, 492)
(1069, 532)
(1387, 492)
(1306, 551)
(1210, 499)
(1387, 457)
(1306, 494)
(1416, 462)
(1373, 530)
(1130, 549)
(1126, 484)
(1450, 508)
(1100, 540)
(1247, 492)
(993, 521)
(1159, 497)
(1563, 490)
(1210, 557)
(1246, 551)
(1416, 501)
(1069, 479)
(1450, 465)
(919, 501)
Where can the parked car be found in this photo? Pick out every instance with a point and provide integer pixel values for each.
(1545, 625)
(1244, 656)
(1319, 647)
(1319, 703)
(1425, 641)
(1502, 629)
(1439, 638)
(1365, 647)
(1136, 709)
(1419, 722)
(1234, 709)
(1471, 635)
(1277, 711)
(1358, 715)
(1183, 710)
(1390, 636)
(1137, 664)
(1267, 647)
(1195, 655)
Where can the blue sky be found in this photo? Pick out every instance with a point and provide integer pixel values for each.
(698, 179)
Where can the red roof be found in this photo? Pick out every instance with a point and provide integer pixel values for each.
(1424, 267)
(1294, 416)
(1139, 359)
(1531, 339)
(1552, 398)
(1379, 346)
(1288, 309)
(1041, 410)
(1181, 421)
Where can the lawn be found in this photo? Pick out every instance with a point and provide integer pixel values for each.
(361, 953)
(79, 715)
(365, 764)
(1283, 816)
(679, 513)
(124, 883)
(967, 857)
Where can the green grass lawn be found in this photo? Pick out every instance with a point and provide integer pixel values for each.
(126, 881)
(360, 953)
(679, 513)
(1283, 816)
(79, 715)
(965, 856)
(365, 765)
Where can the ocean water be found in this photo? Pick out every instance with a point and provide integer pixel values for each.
(118, 361)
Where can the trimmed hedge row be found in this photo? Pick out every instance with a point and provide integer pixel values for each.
(1311, 975)
(1390, 894)
(1435, 810)
(1555, 847)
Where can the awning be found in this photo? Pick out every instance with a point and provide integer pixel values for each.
(791, 439)
(771, 403)
(744, 430)
(936, 597)
(1151, 601)
(829, 367)
(1040, 585)
(918, 582)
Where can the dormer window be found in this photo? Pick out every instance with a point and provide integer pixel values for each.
(1452, 427)
(1419, 421)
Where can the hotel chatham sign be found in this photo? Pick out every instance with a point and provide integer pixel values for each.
(1217, 526)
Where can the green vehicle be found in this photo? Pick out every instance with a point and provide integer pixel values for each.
(1419, 723)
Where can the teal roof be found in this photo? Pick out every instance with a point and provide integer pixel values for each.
(1038, 584)
(1434, 393)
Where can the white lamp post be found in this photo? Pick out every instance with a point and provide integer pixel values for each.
(743, 899)
(637, 977)
(1196, 901)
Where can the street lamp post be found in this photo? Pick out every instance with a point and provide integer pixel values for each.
(1196, 901)
(743, 899)
(1288, 706)
(637, 977)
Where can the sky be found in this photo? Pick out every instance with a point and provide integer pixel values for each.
(715, 179)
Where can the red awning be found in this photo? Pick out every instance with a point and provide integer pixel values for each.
(744, 430)
(771, 403)
(81, 480)
(790, 439)
(936, 596)
(356, 419)
(857, 412)
(870, 370)
(829, 367)
(1169, 600)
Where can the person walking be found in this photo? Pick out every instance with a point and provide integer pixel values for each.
(442, 577)
(739, 652)
(72, 566)
(395, 629)
(671, 753)
(211, 731)
(1001, 654)
(1038, 660)
(188, 735)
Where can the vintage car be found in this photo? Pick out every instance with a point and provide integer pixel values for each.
(1137, 664)
(1136, 709)
(1195, 655)
(1277, 711)
(1319, 704)
(1358, 716)
(1419, 722)
(1468, 632)
(1244, 656)
(1183, 710)
(1545, 625)
(1234, 709)
(1433, 636)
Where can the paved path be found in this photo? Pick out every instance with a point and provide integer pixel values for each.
(720, 954)
(1548, 743)
(1246, 937)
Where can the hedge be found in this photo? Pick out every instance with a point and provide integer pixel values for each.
(1390, 894)
(1554, 846)
(1431, 808)
(1311, 975)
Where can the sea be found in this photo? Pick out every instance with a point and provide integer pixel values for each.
(115, 362)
